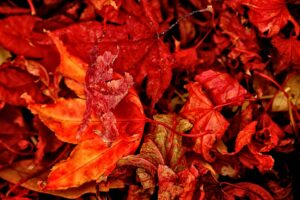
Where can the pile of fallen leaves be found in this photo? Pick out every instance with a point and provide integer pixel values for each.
(149, 99)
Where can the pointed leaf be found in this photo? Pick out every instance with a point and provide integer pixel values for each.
(269, 16)
(288, 53)
(140, 52)
(200, 111)
(245, 135)
(65, 116)
(88, 161)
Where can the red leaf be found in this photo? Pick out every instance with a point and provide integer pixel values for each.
(252, 160)
(64, 120)
(17, 35)
(141, 52)
(247, 190)
(244, 42)
(269, 16)
(245, 135)
(188, 180)
(84, 163)
(14, 83)
(221, 87)
(200, 111)
(47, 142)
(12, 132)
(207, 120)
(267, 136)
(288, 53)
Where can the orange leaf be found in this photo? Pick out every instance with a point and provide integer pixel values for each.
(70, 66)
(92, 157)
(65, 116)
(90, 160)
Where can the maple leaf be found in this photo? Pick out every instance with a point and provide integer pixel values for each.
(269, 16)
(91, 151)
(288, 54)
(244, 42)
(14, 83)
(24, 41)
(221, 87)
(208, 122)
(141, 52)
(90, 160)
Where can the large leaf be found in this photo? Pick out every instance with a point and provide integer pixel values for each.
(288, 53)
(269, 16)
(90, 160)
(92, 157)
(139, 50)
(64, 120)
(17, 34)
(208, 122)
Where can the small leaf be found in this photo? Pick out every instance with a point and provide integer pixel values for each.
(245, 135)
(221, 87)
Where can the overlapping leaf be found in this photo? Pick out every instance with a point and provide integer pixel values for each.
(288, 54)
(162, 155)
(208, 122)
(141, 52)
(64, 120)
(14, 83)
(269, 16)
(221, 87)
(17, 35)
